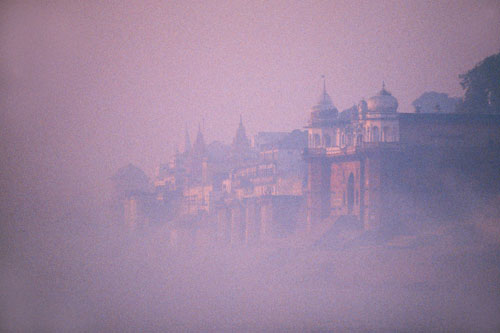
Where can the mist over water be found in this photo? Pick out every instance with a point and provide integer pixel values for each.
(86, 88)
(97, 277)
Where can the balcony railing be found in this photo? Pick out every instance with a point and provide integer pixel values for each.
(349, 150)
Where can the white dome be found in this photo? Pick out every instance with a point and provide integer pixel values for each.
(383, 102)
(324, 102)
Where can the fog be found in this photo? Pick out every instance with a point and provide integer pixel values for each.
(88, 278)
(86, 88)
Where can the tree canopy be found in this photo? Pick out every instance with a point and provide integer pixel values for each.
(482, 87)
(432, 102)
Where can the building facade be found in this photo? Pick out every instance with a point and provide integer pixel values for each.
(383, 168)
(371, 165)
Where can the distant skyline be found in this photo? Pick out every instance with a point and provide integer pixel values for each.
(88, 87)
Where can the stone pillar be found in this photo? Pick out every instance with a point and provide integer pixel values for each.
(252, 223)
(318, 190)
(372, 193)
(362, 192)
(237, 224)
(223, 224)
(266, 217)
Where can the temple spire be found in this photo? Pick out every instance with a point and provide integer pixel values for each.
(199, 144)
(324, 84)
(240, 151)
(384, 91)
(187, 140)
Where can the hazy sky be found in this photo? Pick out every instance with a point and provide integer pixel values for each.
(86, 86)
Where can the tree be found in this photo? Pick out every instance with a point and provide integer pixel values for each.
(482, 87)
(434, 102)
(127, 180)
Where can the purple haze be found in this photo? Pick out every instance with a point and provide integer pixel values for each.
(87, 87)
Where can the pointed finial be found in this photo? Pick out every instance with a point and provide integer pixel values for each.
(241, 120)
(383, 85)
(187, 141)
(324, 84)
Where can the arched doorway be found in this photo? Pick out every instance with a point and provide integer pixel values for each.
(359, 139)
(350, 194)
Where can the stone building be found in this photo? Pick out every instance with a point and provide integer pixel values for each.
(385, 169)
(226, 194)
(369, 165)
(263, 198)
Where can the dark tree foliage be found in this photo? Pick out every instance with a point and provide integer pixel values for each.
(434, 102)
(482, 87)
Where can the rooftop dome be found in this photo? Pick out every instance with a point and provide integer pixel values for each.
(324, 112)
(383, 102)
(324, 101)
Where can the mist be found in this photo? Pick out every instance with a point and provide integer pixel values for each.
(87, 88)
(89, 279)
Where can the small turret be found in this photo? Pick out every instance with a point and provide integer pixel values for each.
(362, 109)
(241, 141)
(240, 150)
(187, 141)
(324, 110)
(199, 147)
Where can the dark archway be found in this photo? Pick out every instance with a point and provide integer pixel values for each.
(359, 139)
(350, 194)
(328, 141)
